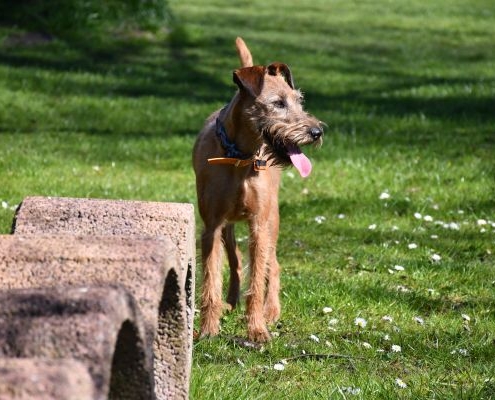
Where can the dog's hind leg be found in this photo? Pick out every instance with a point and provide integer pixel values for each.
(235, 264)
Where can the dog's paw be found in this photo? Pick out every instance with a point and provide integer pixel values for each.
(271, 313)
(259, 335)
(229, 306)
(209, 329)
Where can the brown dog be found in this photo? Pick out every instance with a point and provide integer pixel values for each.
(237, 159)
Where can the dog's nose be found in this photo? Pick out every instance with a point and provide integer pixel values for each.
(315, 132)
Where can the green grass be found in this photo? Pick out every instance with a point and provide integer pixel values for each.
(407, 89)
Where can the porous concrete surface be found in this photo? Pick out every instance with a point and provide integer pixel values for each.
(37, 215)
(44, 379)
(144, 266)
(101, 327)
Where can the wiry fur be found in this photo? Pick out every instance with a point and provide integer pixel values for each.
(264, 118)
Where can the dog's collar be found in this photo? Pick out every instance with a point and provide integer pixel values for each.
(233, 155)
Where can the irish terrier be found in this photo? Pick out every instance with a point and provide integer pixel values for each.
(237, 159)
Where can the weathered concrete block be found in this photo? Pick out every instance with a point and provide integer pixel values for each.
(110, 217)
(146, 267)
(42, 379)
(99, 326)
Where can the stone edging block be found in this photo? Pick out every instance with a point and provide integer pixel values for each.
(99, 326)
(44, 379)
(38, 215)
(144, 266)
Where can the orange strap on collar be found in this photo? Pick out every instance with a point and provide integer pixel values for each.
(259, 165)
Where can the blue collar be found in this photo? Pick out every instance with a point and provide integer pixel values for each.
(231, 150)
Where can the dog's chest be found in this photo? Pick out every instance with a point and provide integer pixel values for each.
(256, 195)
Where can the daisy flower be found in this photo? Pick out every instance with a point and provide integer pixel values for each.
(315, 338)
(399, 382)
(466, 317)
(436, 257)
(361, 322)
(319, 219)
(279, 367)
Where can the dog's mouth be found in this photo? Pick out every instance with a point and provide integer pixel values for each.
(299, 160)
(286, 154)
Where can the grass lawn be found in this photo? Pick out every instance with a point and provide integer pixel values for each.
(394, 231)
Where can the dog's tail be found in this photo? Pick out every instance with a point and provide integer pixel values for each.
(244, 54)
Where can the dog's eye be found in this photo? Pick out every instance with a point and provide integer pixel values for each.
(279, 104)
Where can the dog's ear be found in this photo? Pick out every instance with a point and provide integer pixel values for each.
(250, 79)
(282, 69)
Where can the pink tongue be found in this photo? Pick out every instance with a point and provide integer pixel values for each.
(300, 161)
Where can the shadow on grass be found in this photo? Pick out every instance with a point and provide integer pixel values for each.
(142, 67)
(194, 71)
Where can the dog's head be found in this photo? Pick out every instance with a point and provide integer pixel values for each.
(276, 112)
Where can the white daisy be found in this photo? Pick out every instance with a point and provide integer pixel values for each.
(361, 322)
(463, 352)
(436, 257)
(454, 226)
(399, 382)
(396, 348)
(315, 338)
(279, 367)
(319, 219)
(466, 317)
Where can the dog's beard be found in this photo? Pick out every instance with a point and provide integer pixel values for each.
(282, 139)
(283, 143)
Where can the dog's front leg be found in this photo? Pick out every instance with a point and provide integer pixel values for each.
(211, 297)
(259, 252)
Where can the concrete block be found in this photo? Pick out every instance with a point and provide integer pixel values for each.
(44, 379)
(101, 327)
(175, 221)
(146, 267)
